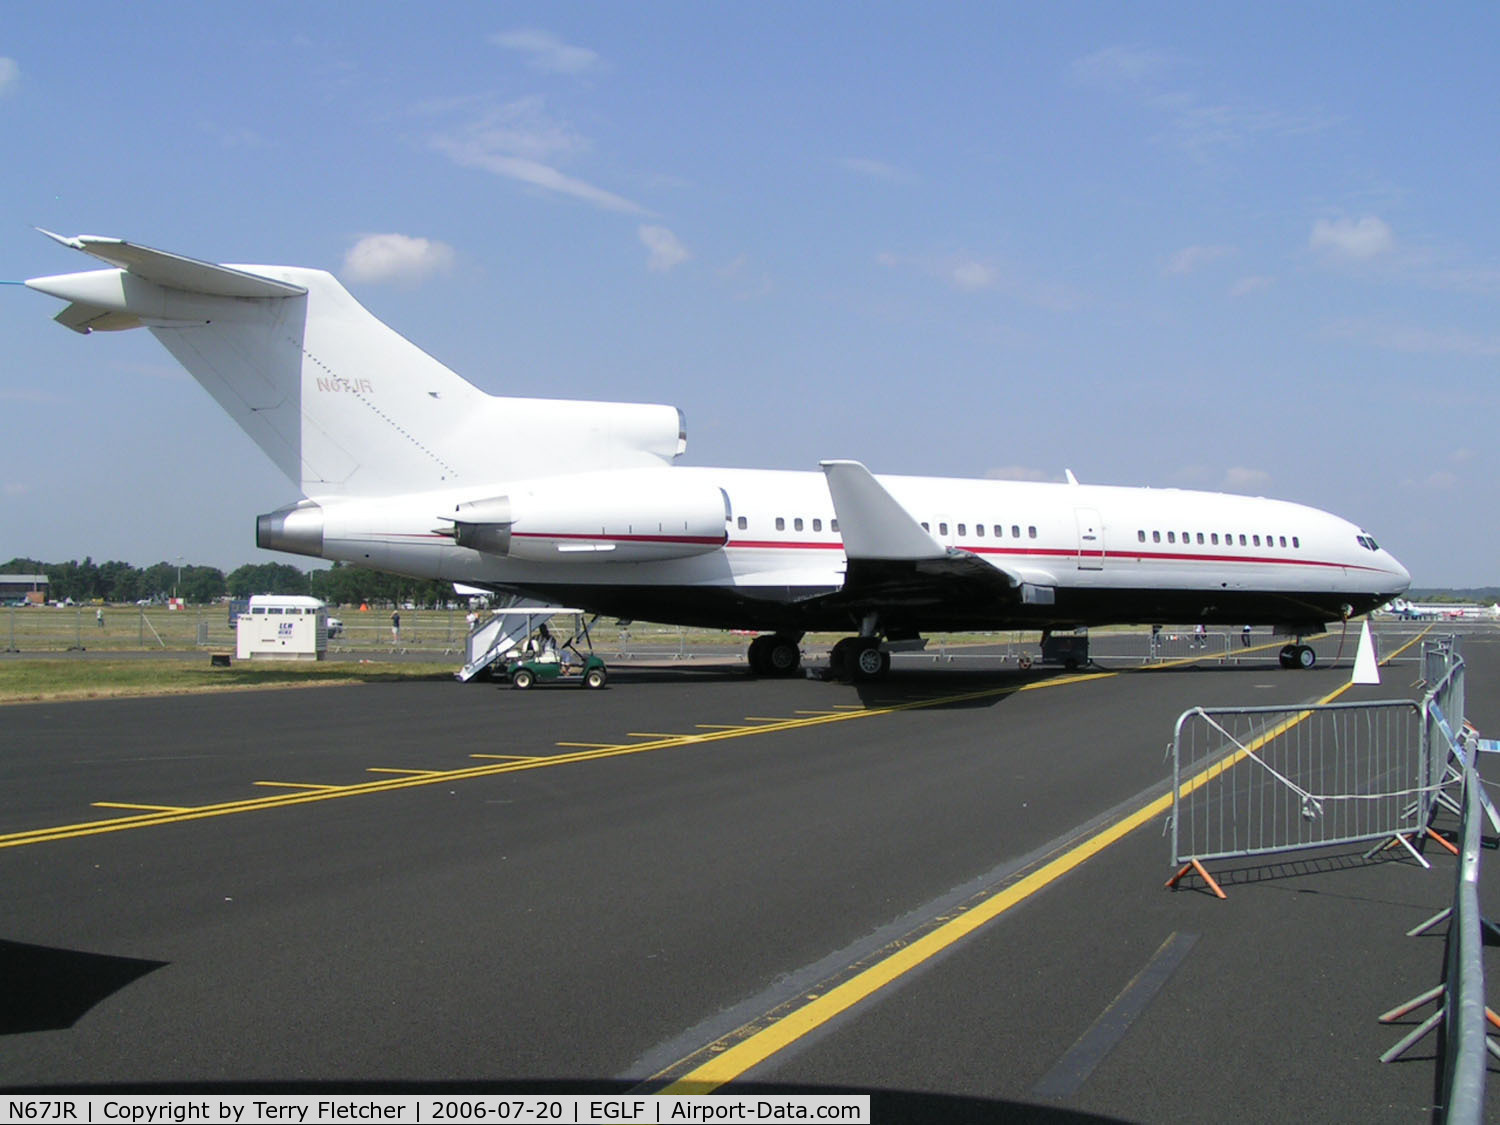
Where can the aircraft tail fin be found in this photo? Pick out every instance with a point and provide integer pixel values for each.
(340, 402)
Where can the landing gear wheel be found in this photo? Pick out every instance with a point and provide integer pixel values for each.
(782, 657)
(520, 679)
(839, 658)
(594, 678)
(757, 656)
(773, 655)
(870, 663)
(1298, 656)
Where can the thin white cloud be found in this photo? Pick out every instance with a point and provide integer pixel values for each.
(1121, 65)
(15, 488)
(1192, 258)
(546, 52)
(10, 74)
(1414, 340)
(969, 274)
(1193, 122)
(1242, 479)
(1352, 239)
(1252, 284)
(521, 141)
(746, 280)
(664, 249)
(30, 394)
(876, 170)
(396, 257)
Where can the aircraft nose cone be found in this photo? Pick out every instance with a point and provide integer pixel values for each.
(1400, 576)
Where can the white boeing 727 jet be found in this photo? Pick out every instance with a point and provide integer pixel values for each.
(408, 468)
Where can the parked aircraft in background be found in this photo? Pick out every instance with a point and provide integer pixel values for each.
(401, 468)
(1440, 611)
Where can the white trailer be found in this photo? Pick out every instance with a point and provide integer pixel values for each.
(282, 627)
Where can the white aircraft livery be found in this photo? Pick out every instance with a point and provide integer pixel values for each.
(406, 467)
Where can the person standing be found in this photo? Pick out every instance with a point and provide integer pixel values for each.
(395, 626)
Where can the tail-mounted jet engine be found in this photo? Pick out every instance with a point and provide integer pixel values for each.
(619, 517)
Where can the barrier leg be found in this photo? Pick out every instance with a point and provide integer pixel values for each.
(1440, 838)
(1441, 916)
(1412, 1005)
(1398, 838)
(1194, 865)
(1415, 1037)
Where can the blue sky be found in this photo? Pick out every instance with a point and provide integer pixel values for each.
(1251, 249)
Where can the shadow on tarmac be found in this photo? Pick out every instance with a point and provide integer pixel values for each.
(50, 989)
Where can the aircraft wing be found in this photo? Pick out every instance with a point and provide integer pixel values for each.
(894, 563)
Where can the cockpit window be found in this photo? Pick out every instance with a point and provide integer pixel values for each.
(1368, 542)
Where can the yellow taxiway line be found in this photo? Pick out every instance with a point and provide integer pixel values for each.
(731, 1056)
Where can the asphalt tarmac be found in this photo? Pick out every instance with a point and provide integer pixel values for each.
(429, 884)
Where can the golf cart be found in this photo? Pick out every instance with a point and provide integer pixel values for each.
(541, 658)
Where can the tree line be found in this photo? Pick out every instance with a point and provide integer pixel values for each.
(116, 581)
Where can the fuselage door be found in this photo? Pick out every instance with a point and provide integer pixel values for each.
(1090, 539)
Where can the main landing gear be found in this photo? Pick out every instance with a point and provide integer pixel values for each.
(775, 654)
(859, 658)
(1298, 656)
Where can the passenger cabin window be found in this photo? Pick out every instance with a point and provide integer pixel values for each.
(1141, 535)
(963, 529)
(1171, 537)
(979, 530)
(1031, 532)
(743, 523)
(1256, 540)
(926, 526)
(797, 524)
(1156, 537)
(780, 524)
(999, 532)
(817, 525)
(1214, 538)
(1296, 542)
(942, 529)
(833, 525)
(1242, 542)
(1015, 531)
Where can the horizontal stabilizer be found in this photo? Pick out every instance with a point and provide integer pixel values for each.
(872, 522)
(173, 271)
(85, 318)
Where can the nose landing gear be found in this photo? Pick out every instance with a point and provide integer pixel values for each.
(1298, 656)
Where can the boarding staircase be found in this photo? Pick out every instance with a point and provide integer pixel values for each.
(492, 637)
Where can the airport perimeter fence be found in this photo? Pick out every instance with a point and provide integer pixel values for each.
(43, 630)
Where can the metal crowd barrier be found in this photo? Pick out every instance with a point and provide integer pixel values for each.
(1184, 644)
(1255, 780)
(1249, 781)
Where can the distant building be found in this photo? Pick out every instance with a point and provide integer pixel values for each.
(23, 588)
